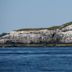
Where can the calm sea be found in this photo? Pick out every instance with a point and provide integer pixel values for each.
(38, 59)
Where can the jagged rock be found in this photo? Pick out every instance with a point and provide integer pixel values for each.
(58, 35)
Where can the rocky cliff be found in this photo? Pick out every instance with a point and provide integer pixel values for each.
(52, 35)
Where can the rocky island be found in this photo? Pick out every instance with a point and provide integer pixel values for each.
(52, 36)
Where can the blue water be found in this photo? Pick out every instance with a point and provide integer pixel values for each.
(40, 59)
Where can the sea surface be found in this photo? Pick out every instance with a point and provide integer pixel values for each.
(36, 59)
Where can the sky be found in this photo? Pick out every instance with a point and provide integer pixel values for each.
(17, 14)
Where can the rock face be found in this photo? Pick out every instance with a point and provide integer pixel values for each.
(65, 35)
(58, 35)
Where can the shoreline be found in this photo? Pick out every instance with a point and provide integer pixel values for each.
(35, 45)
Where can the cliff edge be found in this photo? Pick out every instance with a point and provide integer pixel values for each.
(45, 36)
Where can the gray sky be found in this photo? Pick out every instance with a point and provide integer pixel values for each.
(16, 14)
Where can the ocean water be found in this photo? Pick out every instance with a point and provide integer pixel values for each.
(38, 59)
